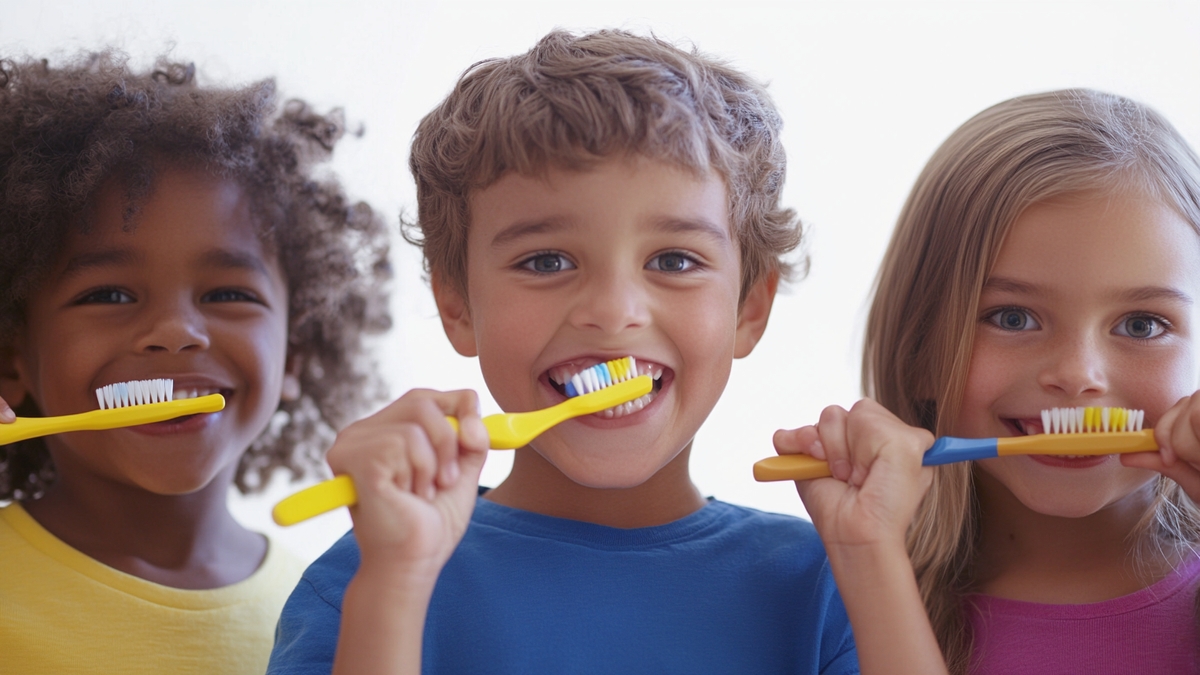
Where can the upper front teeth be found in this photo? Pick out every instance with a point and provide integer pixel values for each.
(193, 393)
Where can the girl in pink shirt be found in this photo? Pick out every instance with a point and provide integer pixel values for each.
(1048, 256)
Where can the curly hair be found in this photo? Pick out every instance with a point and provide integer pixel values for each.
(573, 100)
(65, 130)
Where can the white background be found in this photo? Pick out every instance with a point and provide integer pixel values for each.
(867, 91)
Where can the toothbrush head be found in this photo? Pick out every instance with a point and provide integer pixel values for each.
(136, 392)
(601, 376)
(1091, 420)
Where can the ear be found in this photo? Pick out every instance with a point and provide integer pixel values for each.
(753, 315)
(456, 316)
(11, 389)
(290, 389)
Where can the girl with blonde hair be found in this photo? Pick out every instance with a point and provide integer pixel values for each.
(1047, 257)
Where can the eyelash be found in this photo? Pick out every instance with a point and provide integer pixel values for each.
(692, 263)
(992, 318)
(1161, 322)
(93, 296)
(526, 264)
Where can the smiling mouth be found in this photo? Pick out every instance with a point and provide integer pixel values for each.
(560, 375)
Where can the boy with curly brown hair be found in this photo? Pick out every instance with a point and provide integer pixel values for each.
(601, 196)
(151, 227)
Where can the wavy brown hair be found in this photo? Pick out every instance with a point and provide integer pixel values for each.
(65, 130)
(921, 327)
(574, 100)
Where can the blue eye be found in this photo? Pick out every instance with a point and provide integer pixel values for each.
(1013, 319)
(671, 262)
(1141, 327)
(105, 296)
(547, 263)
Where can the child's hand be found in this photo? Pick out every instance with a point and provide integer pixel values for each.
(1178, 437)
(7, 416)
(416, 479)
(878, 480)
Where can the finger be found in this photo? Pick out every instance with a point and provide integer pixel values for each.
(805, 440)
(1185, 474)
(7, 416)
(832, 431)
(1185, 439)
(430, 412)
(416, 468)
(1164, 430)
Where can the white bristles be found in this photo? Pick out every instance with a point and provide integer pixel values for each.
(1091, 420)
(601, 376)
(137, 392)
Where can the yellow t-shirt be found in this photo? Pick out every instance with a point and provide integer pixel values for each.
(63, 613)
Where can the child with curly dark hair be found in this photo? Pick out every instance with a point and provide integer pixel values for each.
(151, 227)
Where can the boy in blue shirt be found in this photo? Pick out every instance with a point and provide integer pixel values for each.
(600, 196)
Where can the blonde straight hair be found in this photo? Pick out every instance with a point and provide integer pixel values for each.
(921, 326)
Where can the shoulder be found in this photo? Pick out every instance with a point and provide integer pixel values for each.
(773, 534)
(327, 577)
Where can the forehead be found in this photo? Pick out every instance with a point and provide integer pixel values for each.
(190, 217)
(611, 195)
(1098, 239)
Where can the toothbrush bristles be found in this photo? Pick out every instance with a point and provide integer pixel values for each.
(136, 392)
(601, 376)
(1091, 420)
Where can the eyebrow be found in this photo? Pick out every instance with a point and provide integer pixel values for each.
(236, 260)
(1006, 285)
(1133, 295)
(674, 225)
(1148, 293)
(114, 257)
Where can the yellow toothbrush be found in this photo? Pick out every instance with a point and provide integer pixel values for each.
(600, 387)
(1066, 431)
(124, 404)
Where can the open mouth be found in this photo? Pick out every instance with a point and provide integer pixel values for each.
(560, 375)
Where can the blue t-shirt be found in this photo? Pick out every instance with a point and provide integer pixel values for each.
(724, 590)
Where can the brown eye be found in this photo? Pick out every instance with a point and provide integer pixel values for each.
(671, 262)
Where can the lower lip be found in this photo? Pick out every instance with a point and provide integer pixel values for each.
(596, 421)
(180, 425)
(1069, 462)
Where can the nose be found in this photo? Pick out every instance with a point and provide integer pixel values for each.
(173, 326)
(612, 302)
(1077, 368)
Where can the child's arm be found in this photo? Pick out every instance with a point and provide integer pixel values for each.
(1178, 437)
(416, 482)
(862, 515)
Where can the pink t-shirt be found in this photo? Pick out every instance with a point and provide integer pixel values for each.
(1150, 631)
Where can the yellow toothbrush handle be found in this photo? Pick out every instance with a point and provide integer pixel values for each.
(98, 420)
(313, 501)
(790, 467)
(506, 431)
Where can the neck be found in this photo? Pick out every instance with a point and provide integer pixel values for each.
(537, 485)
(186, 541)
(1031, 556)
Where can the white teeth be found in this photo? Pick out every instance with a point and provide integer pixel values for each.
(194, 393)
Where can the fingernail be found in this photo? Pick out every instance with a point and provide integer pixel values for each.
(450, 473)
(817, 449)
(7, 415)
